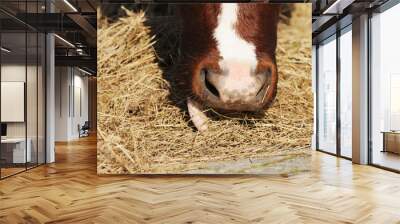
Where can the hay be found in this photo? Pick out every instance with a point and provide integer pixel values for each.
(141, 131)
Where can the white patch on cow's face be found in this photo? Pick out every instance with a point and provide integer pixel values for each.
(238, 60)
(230, 45)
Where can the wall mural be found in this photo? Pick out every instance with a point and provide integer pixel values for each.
(219, 88)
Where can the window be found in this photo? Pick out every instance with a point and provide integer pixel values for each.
(334, 106)
(385, 89)
(346, 93)
(327, 95)
(22, 77)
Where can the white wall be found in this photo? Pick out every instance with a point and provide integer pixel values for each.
(10, 73)
(70, 81)
(62, 81)
(79, 117)
(16, 73)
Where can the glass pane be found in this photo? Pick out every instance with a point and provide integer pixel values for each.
(31, 97)
(314, 78)
(385, 89)
(13, 88)
(346, 94)
(41, 99)
(327, 96)
(32, 87)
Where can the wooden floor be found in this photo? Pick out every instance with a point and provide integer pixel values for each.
(387, 159)
(69, 191)
(10, 171)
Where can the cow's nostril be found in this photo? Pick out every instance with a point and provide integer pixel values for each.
(212, 88)
(265, 77)
(208, 84)
(265, 82)
(261, 89)
(269, 72)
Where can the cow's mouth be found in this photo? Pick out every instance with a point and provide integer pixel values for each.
(211, 96)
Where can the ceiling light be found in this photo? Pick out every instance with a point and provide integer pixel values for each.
(5, 50)
(337, 7)
(65, 41)
(84, 71)
(70, 5)
(79, 51)
(333, 6)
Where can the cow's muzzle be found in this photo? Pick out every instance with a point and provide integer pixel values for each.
(235, 91)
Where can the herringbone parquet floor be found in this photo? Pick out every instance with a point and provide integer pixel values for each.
(69, 191)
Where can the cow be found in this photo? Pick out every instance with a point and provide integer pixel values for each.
(228, 52)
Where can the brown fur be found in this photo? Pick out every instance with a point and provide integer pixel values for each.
(257, 23)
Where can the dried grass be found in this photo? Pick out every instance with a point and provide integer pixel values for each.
(141, 131)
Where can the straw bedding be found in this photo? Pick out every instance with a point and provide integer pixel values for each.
(141, 130)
